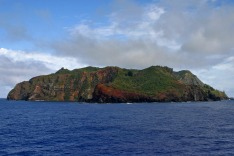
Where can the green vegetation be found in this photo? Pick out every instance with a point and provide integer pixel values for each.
(148, 81)
(156, 83)
(63, 71)
(86, 69)
(213, 93)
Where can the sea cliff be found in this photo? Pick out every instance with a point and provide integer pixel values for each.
(115, 85)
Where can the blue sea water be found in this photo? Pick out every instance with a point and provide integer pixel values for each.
(63, 128)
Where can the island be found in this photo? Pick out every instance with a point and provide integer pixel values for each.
(116, 85)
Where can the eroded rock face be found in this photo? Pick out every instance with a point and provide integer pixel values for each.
(20, 92)
(188, 78)
(113, 84)
(107, 94)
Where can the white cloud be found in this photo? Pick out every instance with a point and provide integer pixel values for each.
(195, 35)
(18, 66)
(13, 72)
(165, 30)
(138, 28)
(219, 76)
(153, 12)
(225, 66)
(48, 60)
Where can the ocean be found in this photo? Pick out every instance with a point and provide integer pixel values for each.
(72, 128)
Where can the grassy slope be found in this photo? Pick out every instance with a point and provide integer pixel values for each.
(147, 81)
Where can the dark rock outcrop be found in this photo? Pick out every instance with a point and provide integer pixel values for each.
(113, 84)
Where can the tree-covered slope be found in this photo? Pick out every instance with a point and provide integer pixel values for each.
(114, 84)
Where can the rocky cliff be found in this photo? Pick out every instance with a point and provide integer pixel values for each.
(114, 84)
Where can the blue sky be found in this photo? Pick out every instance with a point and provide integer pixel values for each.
(41, 36)
(45, 19)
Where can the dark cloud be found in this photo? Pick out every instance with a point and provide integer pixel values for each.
(213, 34)
(195, 28)
(13, 72)
(195, 35)
(131, 54)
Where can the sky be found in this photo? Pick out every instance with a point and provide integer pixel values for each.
(38, 37)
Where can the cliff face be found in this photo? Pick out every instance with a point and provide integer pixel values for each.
(113, 84)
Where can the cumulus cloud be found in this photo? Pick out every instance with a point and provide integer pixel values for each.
(18, 66)
(13, 72)
(220, 76)
(214, 34)
(49, 61)
(162, 33)
(195, 35)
